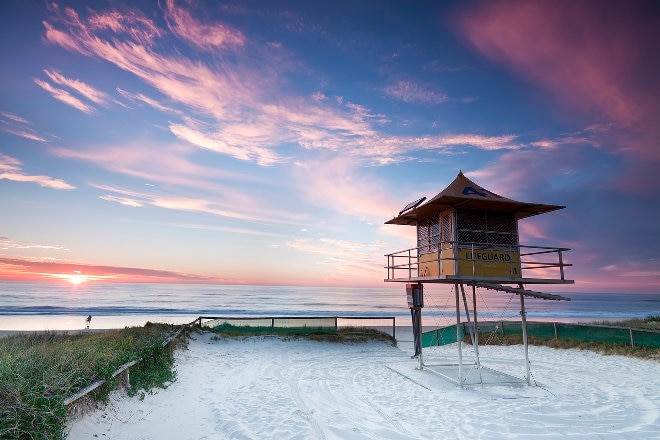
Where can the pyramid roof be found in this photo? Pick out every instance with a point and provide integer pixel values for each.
(466, 194)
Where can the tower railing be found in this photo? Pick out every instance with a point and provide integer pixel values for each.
(536, 263)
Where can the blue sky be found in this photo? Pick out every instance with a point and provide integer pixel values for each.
(268, 142)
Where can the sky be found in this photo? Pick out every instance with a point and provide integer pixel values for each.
(264, 142)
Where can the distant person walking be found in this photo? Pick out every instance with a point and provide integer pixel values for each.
(88, 320)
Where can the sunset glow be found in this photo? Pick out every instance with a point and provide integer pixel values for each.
(268, 142)
(75, 278)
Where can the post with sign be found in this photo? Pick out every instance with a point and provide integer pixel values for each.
(415, 295)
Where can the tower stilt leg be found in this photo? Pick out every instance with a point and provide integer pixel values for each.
(476, 332)
(523, 316)
(459, 337)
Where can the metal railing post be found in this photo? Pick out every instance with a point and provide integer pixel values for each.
(561, 264)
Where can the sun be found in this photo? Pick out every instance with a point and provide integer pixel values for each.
(76, 279)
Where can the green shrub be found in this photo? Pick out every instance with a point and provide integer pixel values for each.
(38, 371)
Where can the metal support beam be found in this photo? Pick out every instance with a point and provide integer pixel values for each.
(459, 337)
(467, 315)
(476, 327)
(524, 332)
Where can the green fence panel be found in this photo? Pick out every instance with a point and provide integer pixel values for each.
(512, 328)
(585, 333)
(646, 338)
(430, 339)
(541, 329)
(549, 330)
(439, 336)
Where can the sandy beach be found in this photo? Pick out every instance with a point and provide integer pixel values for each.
(269, 388)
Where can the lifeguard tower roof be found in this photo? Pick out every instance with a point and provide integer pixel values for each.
(464, 193)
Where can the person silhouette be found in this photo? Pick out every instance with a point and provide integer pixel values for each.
(88, 320)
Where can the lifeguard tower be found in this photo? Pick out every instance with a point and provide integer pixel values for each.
(468, 236)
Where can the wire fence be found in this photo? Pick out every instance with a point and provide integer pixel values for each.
(548, 330)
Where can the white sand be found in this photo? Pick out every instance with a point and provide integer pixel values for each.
(267, 388)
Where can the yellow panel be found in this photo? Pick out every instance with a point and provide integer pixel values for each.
(428, 265)
(448, 262)
(489, 263)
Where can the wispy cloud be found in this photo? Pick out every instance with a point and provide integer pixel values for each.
(241, 107)
(18, 126)
(346, 258)
(337, 185)
(64, 96)
(147, 100)
(232, 206)
(204, 36)
(214, 190)
(165, 164)
(6, 244)
(78, 86)
(411, 92)
(122, 200)
(11, 169)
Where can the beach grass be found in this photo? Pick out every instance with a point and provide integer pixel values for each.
(327, 334)
(606, 348)
(651, 322)
(38, 371)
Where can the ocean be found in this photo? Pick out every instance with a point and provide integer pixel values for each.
(45, 306)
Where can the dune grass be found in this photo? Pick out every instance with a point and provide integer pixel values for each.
(606, 348)
(38, 371)
(651, 322)
(341, 335)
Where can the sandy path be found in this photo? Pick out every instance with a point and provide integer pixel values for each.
(267, 388)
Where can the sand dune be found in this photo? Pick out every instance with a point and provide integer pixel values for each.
(268, 388)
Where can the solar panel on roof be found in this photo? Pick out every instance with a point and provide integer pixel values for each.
(412, 205)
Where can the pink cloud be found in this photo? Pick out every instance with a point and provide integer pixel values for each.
(6, 244)
(130, 22)
(29, 270)
(147, 100)
(337, 185)
(410, 92)
(18, 126)
(227, 96)
(595, 56)
(78, 86)
(204, 36)
(348, 258)
(10, 169)
(65, 97)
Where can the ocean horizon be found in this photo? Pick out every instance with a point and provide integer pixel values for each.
(28, 306)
